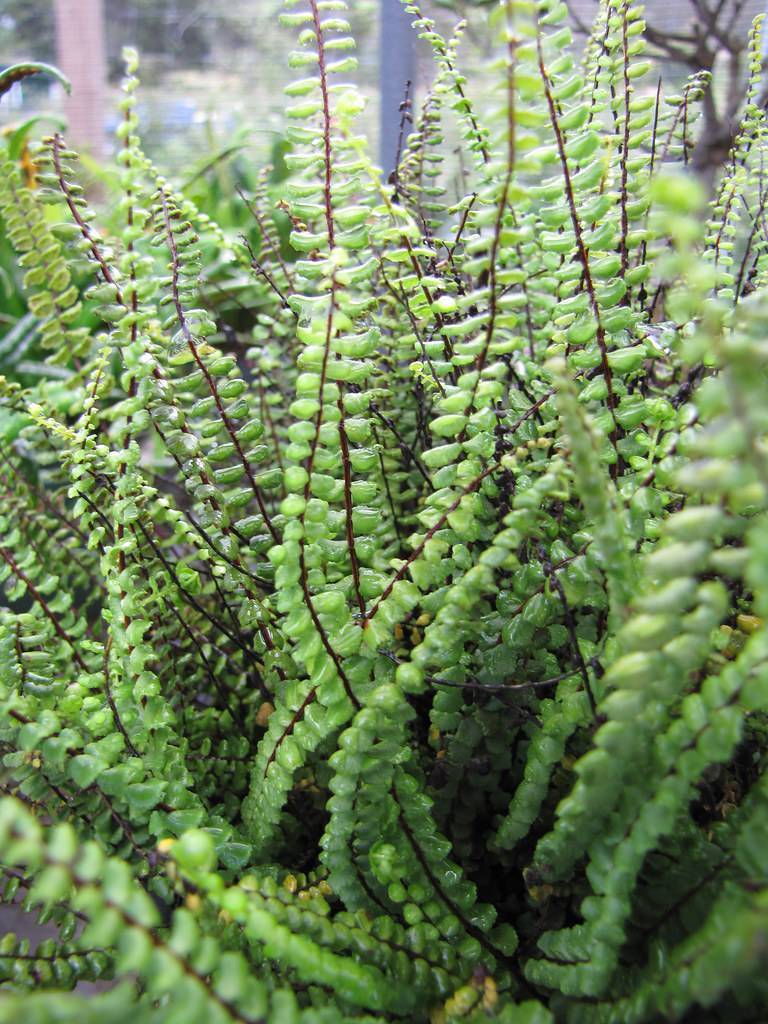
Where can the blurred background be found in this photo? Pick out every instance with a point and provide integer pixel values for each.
(212, 73)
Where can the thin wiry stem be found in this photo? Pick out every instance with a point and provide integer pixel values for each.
(212, 386)
(581, 250)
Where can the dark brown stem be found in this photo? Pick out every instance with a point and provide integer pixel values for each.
(266, 236)
(403, 445)
(570, 625)
(111, 701)
(502, 206)
(295, 718)
(581, 250)
(189, 598)
(476, 934)
(419, 549)
(442, 519)
(322, 633)
(385, 479)
(623, 249)
(212, 387)
(263, 272)
(38, 597)
(323, 75)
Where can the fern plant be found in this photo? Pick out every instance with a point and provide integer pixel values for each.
(404, 659)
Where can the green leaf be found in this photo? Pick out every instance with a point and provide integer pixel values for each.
(85, 769)
(18, 72)
(143, 796)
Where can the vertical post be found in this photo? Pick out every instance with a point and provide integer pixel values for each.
(397, 66)
(80, 55)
